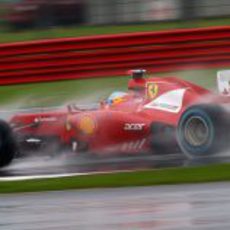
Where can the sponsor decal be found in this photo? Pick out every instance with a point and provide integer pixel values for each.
(45, 119)
(134, 126)
(152, 90)
(133, 145)
(170, 101)
(87, 125)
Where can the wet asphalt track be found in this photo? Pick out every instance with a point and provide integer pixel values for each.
(68, 164)
(46, 165)
(204, 206)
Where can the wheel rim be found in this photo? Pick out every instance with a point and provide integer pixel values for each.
(196, 131)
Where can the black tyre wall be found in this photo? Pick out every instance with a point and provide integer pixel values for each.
(215, 119)
(7, 144)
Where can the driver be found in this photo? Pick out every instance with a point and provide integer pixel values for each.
(136, 87)
(116, 98)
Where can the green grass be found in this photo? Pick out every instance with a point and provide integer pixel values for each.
(76, 31)
(200, 174)
(88, 90)
(53, 93)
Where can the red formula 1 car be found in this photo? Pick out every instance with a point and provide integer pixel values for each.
(155, 115)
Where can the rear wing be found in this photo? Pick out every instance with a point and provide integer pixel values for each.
(223, 82)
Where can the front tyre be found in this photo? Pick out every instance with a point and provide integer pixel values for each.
(7, 144)
(202, 131)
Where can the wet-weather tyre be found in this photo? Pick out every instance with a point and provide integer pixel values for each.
(202, 131)
(8, 146)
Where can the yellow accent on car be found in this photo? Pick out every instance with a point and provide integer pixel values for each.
(87, 125)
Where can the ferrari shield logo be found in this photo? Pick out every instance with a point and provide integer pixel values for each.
(87, 125)
(152, 90)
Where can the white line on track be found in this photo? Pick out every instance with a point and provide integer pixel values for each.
(37, 177)
(21, 178)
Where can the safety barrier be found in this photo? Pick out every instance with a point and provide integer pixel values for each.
(112, 55)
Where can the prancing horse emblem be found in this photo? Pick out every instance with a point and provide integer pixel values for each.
(152, 90)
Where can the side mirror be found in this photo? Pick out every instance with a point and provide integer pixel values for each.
(70, 108)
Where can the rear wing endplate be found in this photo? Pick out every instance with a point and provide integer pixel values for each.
(223, 82)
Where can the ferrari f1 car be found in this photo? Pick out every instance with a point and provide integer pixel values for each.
(155, 115)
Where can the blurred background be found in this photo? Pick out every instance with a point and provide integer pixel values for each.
(22, 14)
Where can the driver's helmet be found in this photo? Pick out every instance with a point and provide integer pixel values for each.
(116, 98)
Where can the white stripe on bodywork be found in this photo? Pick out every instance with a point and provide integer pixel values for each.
(142, 143)
(171, 101)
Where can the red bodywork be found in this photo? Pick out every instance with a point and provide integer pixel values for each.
(123, 125)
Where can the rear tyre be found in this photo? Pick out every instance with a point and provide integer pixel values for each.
(202, 131)
(8, 147)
